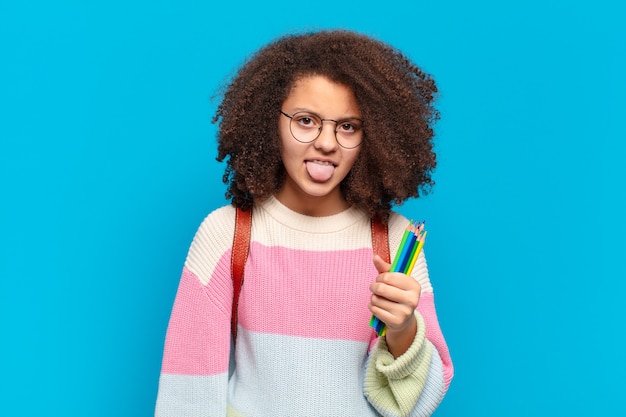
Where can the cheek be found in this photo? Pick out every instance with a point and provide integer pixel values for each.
(284, 146)
(290, 153)
(352, 157)
(290, 146)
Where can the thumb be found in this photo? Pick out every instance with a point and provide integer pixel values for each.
(381, 265)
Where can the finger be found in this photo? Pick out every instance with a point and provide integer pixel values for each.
(399, 280)
(380, 265)
(409, 298)
(392, 314)
(385, 304)
(389, 292)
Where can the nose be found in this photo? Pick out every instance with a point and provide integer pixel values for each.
(327, 141)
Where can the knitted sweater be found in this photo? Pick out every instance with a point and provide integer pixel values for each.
(304, 346)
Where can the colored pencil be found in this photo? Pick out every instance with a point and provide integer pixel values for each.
(408, 251)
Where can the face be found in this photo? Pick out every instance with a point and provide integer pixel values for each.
(315, 169)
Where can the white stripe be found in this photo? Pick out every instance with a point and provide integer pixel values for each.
(298, 377)
(185, 395)
(212, 240)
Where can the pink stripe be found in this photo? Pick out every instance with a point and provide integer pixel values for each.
(308, 294)
(426, 308)
(198, 335)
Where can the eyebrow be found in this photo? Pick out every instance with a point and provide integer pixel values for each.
(302, 109)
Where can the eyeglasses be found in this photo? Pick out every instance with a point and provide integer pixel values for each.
(305, 127)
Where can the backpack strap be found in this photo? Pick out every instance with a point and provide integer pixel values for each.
(380, 239)
(241, 245)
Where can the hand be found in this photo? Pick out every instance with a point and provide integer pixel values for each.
(395, 297)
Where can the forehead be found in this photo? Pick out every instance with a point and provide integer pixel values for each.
(321, 95)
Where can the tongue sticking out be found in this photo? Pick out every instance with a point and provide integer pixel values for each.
(320, 171)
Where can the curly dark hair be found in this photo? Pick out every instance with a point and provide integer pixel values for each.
(396, 102)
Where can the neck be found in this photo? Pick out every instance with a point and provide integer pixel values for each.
(315, 206)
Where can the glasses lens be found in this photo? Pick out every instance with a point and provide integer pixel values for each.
(305, 127)
(349, 133)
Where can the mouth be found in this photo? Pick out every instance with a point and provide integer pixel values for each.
(320, 171)
(320, 162)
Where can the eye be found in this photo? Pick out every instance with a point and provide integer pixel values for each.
(348, 126)
(308, 121)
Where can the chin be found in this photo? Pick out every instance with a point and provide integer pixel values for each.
(318, 192)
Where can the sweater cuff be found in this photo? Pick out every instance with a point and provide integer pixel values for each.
(393, 386)
(415, 361)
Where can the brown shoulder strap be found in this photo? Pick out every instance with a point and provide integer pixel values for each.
(380, 239)
(241, 243)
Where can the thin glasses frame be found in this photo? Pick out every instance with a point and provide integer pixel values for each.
(319, 129)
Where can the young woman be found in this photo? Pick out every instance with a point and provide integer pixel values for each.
(322, 132)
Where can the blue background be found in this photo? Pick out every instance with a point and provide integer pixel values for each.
(107, 167)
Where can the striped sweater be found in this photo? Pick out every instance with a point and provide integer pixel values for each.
(304, 346)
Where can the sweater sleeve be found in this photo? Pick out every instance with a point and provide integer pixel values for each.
(414, 383)
(410, 385)
(194, 372)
